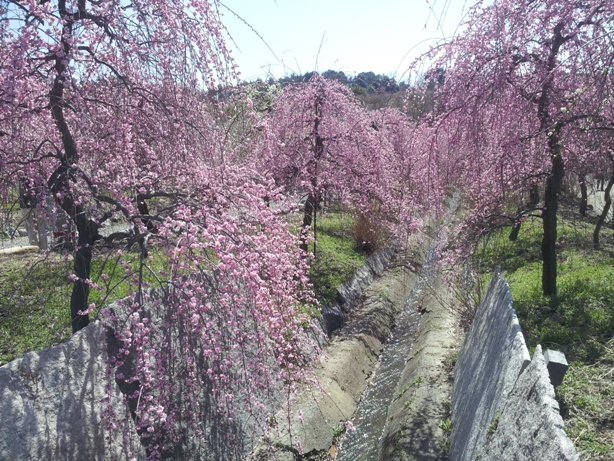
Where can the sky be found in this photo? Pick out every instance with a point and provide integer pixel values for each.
(382, 36)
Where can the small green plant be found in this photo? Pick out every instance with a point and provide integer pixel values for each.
(446, 425)
(338, 431)
(492, 427)
(444, 446)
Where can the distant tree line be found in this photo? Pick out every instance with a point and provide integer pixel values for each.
(361, 84)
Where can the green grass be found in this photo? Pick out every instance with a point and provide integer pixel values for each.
(336, 256)
(586, 398)
(35, 299)
(33, 308)
(579, 320)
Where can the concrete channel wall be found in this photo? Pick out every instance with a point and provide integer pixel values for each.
(50, 404)
(503, 404)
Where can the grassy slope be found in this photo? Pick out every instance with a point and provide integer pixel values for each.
(336, 257)
(35, 298)
(578, 321)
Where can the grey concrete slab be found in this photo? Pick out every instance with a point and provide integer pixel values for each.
(51, 404)
(529, 426)
(557, 366)
(491, 359)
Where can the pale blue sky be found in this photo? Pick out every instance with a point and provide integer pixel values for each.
(352, 36)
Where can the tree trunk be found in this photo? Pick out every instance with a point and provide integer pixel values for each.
(533, 195)
(315, 227)
(144, 211)
(549, 215)
(59, 182)
(88, 234)
(307, 218)
(604, 212)
(584, 195)
(515, 230)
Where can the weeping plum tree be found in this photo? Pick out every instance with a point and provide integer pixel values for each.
(104, 104)
(320, 141)
(54, 55)
(411, 191)
(522, 80)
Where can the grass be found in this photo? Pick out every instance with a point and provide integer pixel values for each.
(579, 321)
(336, 257)
(586, 397)
(33, 307)
(35, 299)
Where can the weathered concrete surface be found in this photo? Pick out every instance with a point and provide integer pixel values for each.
(341, 373)
(349, 292)
(491, 359)
(422, 401)
(503, 404)
(530, 426)
(407, 400)
(51, 404)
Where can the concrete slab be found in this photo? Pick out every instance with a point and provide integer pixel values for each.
(557, 366)
(529, 426)
(491, 359)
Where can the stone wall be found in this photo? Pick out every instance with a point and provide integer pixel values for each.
(503, 405)
(350, 291)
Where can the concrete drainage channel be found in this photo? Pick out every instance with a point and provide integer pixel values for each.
(384, 381)
(318, 416)
(389, 383)
(398, 407)
(408, 395)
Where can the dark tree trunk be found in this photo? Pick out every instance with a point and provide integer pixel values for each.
(313, 199)
(549, 215)
(307, 219)
(604, 212)
(533, 195)
(59, 182)
(81, 290)
(144, 211)
(584, 196)
(88, 234)
(515, 230)
(316, 206)
(555, 179)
